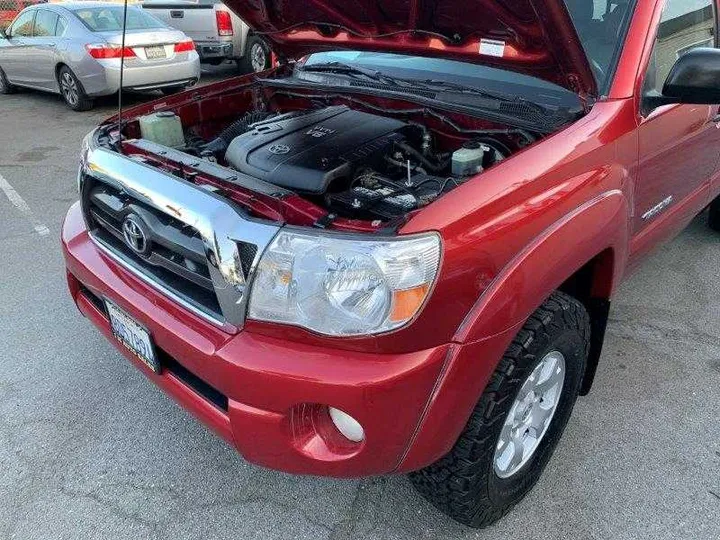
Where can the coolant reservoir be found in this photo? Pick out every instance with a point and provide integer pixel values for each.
(468, 160)
(163, 128)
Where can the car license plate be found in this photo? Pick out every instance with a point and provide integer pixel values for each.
(153, 53)
(131, 334)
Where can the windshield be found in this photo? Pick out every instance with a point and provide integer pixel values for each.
(485, 78)
(110, 19)
(601, 26)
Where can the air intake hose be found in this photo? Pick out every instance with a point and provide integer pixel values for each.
(219, 145)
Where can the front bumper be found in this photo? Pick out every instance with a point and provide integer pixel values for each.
(265, 396)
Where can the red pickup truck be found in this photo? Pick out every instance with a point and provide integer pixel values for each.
(396, 250)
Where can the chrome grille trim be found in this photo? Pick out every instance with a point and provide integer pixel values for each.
(170, 247)
(220, 224)
(155, 284)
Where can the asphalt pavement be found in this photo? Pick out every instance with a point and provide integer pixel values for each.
(90, 449)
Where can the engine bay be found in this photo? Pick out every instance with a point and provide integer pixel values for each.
(363, 165)
(351, 159)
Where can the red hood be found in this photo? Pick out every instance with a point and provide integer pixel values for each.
(535, 37)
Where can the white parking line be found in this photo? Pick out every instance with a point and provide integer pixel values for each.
(18, 202)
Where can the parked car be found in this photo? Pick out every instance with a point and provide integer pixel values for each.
(75, 50)
(218, 33)
(397, 254)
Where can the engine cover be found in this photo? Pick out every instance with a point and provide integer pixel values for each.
(307, 151)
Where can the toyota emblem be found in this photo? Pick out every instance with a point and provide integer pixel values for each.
(135, 236)
(279, 149)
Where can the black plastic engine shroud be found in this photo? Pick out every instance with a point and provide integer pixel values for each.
(306, 152)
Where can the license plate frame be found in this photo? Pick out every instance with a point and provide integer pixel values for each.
(155, 52)
(132, 335)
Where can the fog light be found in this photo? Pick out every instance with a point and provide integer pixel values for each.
(347, 425)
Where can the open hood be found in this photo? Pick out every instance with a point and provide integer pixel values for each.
(534, 37)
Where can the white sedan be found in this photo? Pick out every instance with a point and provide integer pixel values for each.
(75, 50)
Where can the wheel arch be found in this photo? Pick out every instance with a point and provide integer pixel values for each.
(84, 101)
(592, 286)
(58, 66)
(583, 254)
(244, 35)
(7, 81)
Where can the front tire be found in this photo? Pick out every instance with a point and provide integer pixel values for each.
(72, 91)
(256, 57)
(505, 445)
(5, 86)
(714, 217)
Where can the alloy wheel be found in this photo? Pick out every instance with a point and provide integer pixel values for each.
(530, 415)
(258, 57)
(69, 88)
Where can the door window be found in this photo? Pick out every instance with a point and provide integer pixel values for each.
(684, 25)
(23, 25)
(45, 23)
(60, 27)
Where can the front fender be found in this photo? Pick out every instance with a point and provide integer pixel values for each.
(549, 260)
(518, 290)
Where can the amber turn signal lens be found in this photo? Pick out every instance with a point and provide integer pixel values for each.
(406, 303)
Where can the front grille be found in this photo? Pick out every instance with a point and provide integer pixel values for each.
(193, 245)
(174, 256)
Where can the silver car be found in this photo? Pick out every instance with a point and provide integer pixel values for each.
(75, 49)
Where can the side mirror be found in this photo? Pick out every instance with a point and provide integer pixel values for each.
(3, 35)
(694, 79)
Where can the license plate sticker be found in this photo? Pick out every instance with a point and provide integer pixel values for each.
(153, 53)
(133, 336)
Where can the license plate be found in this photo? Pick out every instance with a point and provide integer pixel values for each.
(153, 53)
(131, 334)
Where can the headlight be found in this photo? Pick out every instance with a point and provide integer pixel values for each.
(343, 286)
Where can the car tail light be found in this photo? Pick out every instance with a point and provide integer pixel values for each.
(104, 51)
(185, 46)
(224, 23)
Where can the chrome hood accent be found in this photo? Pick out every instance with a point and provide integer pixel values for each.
(220, 223)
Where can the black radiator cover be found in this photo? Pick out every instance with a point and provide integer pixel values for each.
(307, 151)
